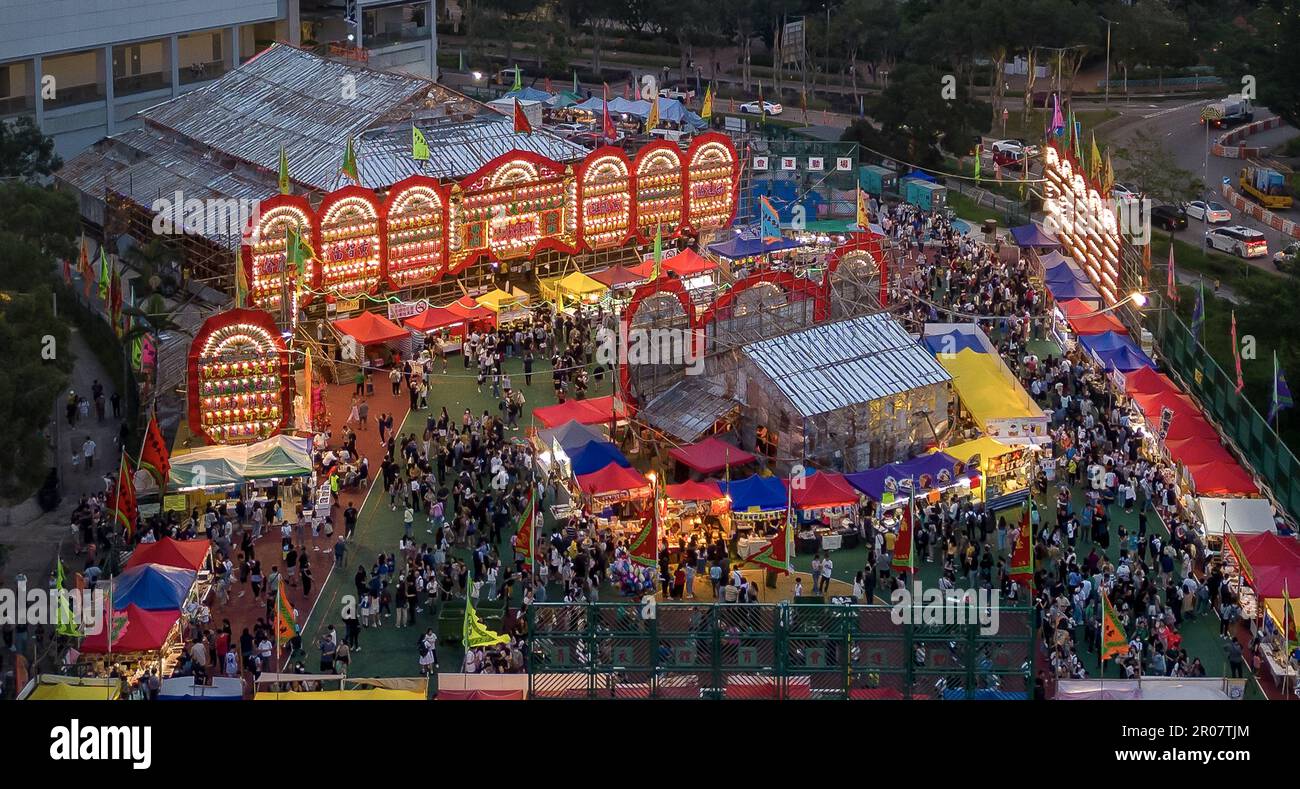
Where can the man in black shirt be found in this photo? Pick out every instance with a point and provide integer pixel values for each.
(349, 520)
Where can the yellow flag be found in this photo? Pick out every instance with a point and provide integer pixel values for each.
(1094, 170)
(474, 632)
(1108, 176)
(284, 172)
(864, 218)
(419, 146)
(706, 111)
(653, 121)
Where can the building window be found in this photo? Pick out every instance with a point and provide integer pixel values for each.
(396, 24)
(202, 56)
(78, 78)
(141, 67)
(16, 88)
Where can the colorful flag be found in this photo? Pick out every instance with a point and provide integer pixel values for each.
(241, 282)
(1108, 176)
(652, 121)
(285, 188)
(349, 167)
(1236, 354)
(519, 79)
(1281, 392)
(419, 146)
(1058, 123)
(298, 254)
(474, 633)
(105, 276)
(1022, 553)
(524, 532)
(658, 256)
(1113, 640)
(644, 549)
(286, 618)
(84, 267)
(706, 111)
(864, 216)
(65, 622)
(607, 129)
(1078, 145)
(904, 558)
(137, 353)
(522, 126)
(770, 221)
(1171, 288)
(67, 272)
(979, 151)
(121, 498)
(1198, 311)
(1094, 168)
(154, 456)
(148, 352)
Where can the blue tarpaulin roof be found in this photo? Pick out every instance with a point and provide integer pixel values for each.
(926, 469)
(1116, 351)
(749, 244)
(1073, 289)
(953, 342)
(527, 94)
(594, 456)
(152, 587)
(669, 110)
(1032, 235)
(764, 493)
(570, 435)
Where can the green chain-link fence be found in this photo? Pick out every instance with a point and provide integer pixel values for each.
(750, 651)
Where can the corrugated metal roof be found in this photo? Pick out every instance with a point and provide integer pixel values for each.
(455, 149)
(833, 365)
(306, 103)
(686, 410)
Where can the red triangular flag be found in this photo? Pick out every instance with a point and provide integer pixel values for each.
(607, 128)
(522, 126)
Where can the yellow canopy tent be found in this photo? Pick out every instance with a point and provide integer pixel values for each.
(579, 287)
(72, 689)
(368, 694)
(1274, 607)
(985, 389)
(498, 300)
(984, 446)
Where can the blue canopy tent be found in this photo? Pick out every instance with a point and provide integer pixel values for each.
(670, 110)
(1032, 235)
(594, 456)
(922, 176)
(570, 436)
(527, 94)
(750, 244)
(152, 587)
(927, 470)
(1116, 351)
(953, 342)
(755, 493)
(1064, 271)
(1073, 289)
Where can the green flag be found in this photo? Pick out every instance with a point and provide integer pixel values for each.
(284, 172)
(65, 621)
(475, 633)
(297, 255)
(349, 167)
(658, 251)
(979, 149)
(419, 146)
(519, 80)
(105, 275)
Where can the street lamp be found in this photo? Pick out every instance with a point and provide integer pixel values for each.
(1108, 24)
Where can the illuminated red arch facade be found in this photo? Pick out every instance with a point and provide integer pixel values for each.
(240, 385)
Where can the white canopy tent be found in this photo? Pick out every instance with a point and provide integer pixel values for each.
(1240, 515)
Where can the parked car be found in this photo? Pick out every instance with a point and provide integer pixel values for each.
(1211, 212)
(1124, 193)
(1287, 259)
(1017, 148)
(1238, 240)
(679, 92)
(679, 136)
(1168, 217)
(751, 107)
(570, 129)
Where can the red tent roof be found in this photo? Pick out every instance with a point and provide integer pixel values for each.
(1077, 313)
(683, 264)
(369, 328)
(432, 318)
(1273, 580)
(587, 412)
(187, 554)
(694, 491)
(710, 455)
(611, 479)
(1197, 451)
(140, 632)
(1145, 380)
(617, 275)
(1222, 479)
(467, 307)
(1191, 425)
(822, 489)
(1267, 548)
(1153, 404)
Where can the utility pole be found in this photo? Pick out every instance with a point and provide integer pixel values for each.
(1108, 24)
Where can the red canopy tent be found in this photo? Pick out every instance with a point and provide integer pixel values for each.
(469, 309)
(612, 479)
(134, 630)
(710, 455)
(1145, 380)
(1077, 313)
(617, 276)
(1274, 579)
(693, 491)
(1222, 479)
(684, 264)
(1153, 404)
(369, 328)
(822, 489)
(186, 554)
(1266, 548)
(1197, 451)
(436, 318)
(586, 412)
(1191, 425)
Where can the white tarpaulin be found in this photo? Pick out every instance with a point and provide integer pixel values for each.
(1242, 516)
(1151, 689)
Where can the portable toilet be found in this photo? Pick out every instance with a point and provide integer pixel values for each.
(925, 195)
(876, 180)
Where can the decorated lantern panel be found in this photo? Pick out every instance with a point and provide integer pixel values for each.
(605, 199)
(239, 378)
(1083, 221)
(348, 242)
(658, 189)
(416, 220)
(512, 205)
(265, 251)
(711, 176)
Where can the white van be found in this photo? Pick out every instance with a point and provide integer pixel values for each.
(679, 136)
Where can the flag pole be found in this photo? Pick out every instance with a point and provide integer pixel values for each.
(278, 614)
(110, 637)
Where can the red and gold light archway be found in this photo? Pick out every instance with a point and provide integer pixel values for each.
(240, 385)
(659, 182)
(349, 242)
(263, 252)
(605, 210)
(415, 226)
(712, 170)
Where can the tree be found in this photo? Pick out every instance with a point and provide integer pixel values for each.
(1147, 164)
(46, 217)
(508, 14)
(916, 123)
(24, 151)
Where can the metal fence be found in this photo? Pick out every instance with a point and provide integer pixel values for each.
(770, 651)
(1254, 437)
(802, 192)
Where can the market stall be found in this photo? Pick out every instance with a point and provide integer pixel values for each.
(477, 317)
(56, 687)
(825, 503)
(1004, 472)
(889, 484)
(370, 337)
(153, 587)
(758, 504)
(711, 456)
(595, 411)
(572, 289)
(1114, 351)
(988, 390)
(443, 330)
(247, 472)
(507, 306)
(186, 554)
(1083, 318)
(693, 509)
